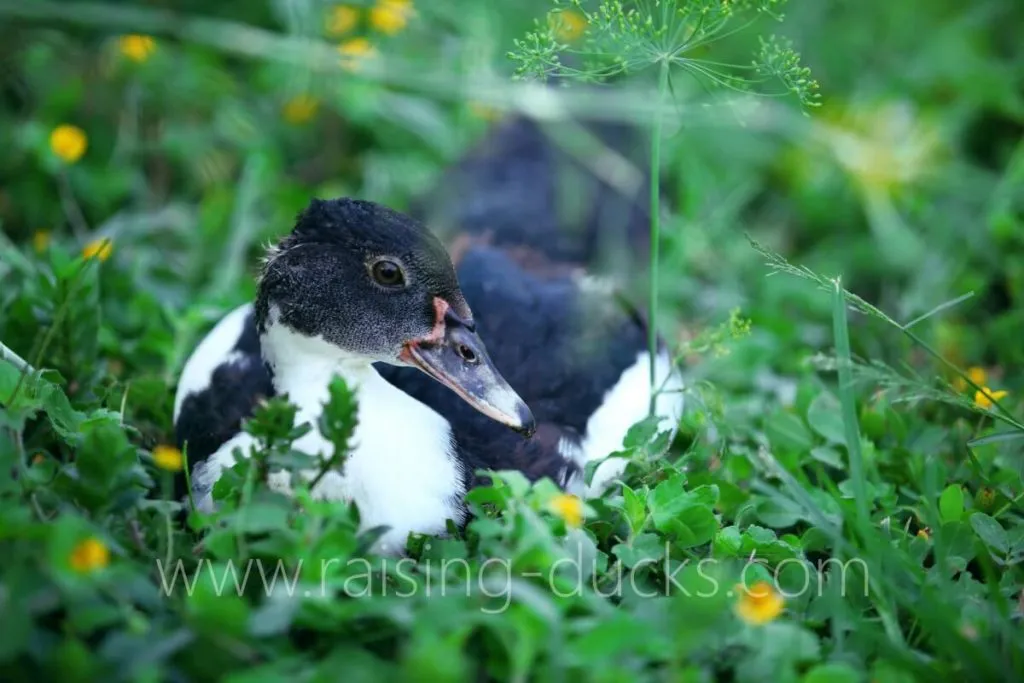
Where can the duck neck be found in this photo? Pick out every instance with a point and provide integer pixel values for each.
(303, 367)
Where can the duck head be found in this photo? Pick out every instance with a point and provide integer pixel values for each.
(377, 286)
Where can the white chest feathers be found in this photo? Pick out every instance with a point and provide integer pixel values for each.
(402, 471)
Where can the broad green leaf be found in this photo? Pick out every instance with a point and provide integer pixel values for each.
(989, 531)
(259, 517)
(635, 509)
(644, 549)
(728, 542)
(759, 535)
(826, 418)
(667, 498)
(694, 526)
(687, 515)
(959, 539)
(951, 503)
(35, 394)
(787, 432)
(828, 456)
(641, 433)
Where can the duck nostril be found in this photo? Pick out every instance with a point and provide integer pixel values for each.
(467, 353)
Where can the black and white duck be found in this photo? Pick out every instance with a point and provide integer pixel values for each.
(541, 244)
(353, 285)
(533, 190)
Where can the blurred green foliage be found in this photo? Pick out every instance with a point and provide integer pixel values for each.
(200, 129)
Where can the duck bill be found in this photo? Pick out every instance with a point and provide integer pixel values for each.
(476, 380)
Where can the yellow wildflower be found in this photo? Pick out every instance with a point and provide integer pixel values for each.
(977, 375)
(354, 51)
(41, 240)
(167, 458)
(99, 248)
(137, 48)
(390, 16)
(299, 109)
(568, 25)
(984, 399)
(341, 19)
(68, 142)
(90, 555)
(569, 508)
(759, 604)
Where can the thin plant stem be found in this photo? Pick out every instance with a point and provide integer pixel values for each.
(652, 313)
(188, 476)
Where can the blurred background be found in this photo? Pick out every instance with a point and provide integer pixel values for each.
(190, 133)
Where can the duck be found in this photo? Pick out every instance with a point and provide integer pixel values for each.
(524, 187)
(353, 287)
(547, 281)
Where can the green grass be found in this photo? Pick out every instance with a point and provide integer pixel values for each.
(827, 276)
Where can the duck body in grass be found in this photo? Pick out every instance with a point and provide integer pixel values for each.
(354, 284)
(541, 243)
(566, 364)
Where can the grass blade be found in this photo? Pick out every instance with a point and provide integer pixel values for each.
(938, 309)
(996, 438)
(849, 405)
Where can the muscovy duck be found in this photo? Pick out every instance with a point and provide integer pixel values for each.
(353, 284)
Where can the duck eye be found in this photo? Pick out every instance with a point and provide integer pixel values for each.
(467, 354)
(387, 273)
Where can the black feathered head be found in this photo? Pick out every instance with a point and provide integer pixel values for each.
(378, 285)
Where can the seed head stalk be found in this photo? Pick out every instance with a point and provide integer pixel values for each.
(652, 303)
